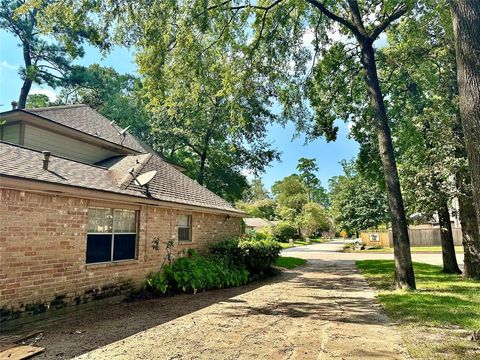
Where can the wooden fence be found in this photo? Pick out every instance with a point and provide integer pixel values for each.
(418, 237)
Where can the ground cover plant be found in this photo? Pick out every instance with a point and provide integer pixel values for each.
(439, 318)
(229, 263)
(289, 262)
(416, 249)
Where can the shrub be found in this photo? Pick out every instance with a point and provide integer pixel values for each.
(254, 255)
(197, 273)
(156, 283)
(283, 232)
(259, 256)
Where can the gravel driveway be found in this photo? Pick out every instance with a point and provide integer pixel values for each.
(323, 310)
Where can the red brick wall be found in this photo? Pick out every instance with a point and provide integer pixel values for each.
(43, 249)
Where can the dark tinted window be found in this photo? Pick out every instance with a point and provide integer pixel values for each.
(109, 228)
(184, 228)
(99, 248)
(124, 246)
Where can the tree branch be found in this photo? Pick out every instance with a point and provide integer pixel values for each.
(396, 14)
(336, 18)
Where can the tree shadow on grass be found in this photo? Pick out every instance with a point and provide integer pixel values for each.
(440, 299)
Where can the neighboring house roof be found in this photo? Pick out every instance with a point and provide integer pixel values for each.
(83, 118)
(168, 185)
(257, 222)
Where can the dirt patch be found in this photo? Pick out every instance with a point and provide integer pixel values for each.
(323, 310)
(320, 311)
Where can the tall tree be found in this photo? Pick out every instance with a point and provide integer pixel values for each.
(358, 203)
(47, 60)
(37, 101)
(205, 104)
(256, 191)
(116, 96)
(267, 39)
(466, 25)
(420, 60)
(307, 168)
(291, 196)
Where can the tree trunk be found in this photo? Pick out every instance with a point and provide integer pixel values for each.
(27, 82)
(22, 99)
(466, 25)
(201, 173)
(470, 236)
(450, 265)
(404, 275)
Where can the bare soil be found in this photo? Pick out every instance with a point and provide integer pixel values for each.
(323, 310)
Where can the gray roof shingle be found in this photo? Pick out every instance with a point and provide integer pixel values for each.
(169, 184)
(83, 118)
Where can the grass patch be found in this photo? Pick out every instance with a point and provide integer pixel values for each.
(289, 262)
(285, 245)
(303, 243)
(415, 249)
(447, 306)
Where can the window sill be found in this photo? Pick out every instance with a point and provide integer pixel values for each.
(111, 263)
(185, 242)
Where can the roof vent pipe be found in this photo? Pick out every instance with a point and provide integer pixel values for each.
(46, 157)
(14, 104)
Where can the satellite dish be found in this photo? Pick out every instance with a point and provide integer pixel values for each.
(144, 179)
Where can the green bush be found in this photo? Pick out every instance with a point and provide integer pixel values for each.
(197, 273)
(254, 255)
(283, 232)
(258, 256)
(156, 283)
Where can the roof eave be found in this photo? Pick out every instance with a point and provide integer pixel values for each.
(16, 182)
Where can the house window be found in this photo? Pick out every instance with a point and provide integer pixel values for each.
(112, 235)
(184, 228)
(10, 133)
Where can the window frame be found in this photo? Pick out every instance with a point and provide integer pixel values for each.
(21, 131)
(112, 234)
(190, 227)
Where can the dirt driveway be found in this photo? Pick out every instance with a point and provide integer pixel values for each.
(322, 311)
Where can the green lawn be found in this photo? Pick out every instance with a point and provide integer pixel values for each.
(289, 262)
(415, 249)
(303, 243)
(438, 317)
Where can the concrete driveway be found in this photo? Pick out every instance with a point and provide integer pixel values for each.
(330, 252)
(323, 310)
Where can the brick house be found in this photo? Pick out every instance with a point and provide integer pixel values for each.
(81, 202)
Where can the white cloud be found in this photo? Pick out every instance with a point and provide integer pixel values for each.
(52, 95)
(6, 65)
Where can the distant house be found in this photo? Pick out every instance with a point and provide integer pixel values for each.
(258, 224)
(83, 204)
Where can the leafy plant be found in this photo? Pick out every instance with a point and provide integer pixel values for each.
(197, 273)
(256, 256)
(283, 232)
(156, 283)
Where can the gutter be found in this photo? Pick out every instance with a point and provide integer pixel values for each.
(22, 184)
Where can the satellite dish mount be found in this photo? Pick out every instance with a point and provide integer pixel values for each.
(143, 180)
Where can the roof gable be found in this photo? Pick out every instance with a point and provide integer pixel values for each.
(83, 118)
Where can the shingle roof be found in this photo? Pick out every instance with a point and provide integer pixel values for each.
(257, 222)
(83, 118)
(169, 184)
(25, 163)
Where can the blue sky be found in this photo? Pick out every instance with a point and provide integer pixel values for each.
(328, 155)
